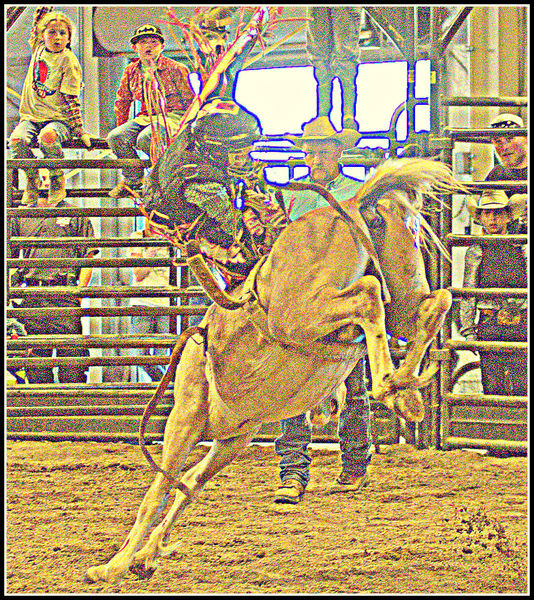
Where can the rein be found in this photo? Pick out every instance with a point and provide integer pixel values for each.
(153, 402)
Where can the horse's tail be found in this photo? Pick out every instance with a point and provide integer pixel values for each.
(406, 181)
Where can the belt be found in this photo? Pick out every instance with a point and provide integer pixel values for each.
(506, 315)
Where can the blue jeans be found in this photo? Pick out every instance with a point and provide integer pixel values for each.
(123, 140)
(145, 325)
(27, 132)
(333, 48)
(354, 432)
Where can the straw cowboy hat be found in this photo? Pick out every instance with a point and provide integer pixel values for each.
(494, 200)
(320, 129)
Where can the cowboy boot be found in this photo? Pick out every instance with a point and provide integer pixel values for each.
(56, 192)
(31, 193)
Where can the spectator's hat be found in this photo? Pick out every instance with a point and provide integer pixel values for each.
(147, 30)
(321, 129)
(495, 200)
(506, 121)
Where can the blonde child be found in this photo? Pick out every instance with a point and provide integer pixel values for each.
(50, 107)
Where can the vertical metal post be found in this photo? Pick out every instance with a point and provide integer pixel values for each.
(184, 283)
(173, 280)
(446, 281)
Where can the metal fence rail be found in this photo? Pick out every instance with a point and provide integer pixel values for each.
(111, 411)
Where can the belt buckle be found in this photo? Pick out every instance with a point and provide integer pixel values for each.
(509, 316)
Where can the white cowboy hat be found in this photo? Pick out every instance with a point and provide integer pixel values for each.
(494, 200)
(506, 121)
(320, 129)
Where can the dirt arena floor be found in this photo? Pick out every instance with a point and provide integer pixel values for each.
(430, 522)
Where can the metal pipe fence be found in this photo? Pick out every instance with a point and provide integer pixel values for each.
(478, 420)
(110, 411)
(98, 409)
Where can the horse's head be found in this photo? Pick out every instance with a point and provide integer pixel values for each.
(202, 155)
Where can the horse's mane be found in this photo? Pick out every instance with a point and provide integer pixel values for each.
(406, 182)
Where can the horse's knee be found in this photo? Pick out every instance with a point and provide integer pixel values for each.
(368, 298)
(444, 300)
(436, 304)
(370, 284)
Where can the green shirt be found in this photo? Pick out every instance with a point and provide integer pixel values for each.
(300, 202)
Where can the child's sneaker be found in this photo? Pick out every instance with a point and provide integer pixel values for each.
(125, 190)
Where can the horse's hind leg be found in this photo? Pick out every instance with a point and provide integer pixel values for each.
(183, 430)
(430, 317)
(221, 453)
(429, 320)
(369, 314)
(344, 311)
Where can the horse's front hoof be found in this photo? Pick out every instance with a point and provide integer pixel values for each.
(107, 572)
(95, 574)
(409, 405)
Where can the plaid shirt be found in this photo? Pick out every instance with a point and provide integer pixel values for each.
(174, 78)
(74, 114)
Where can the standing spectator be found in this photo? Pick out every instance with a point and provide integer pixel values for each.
(497, 265)
(512, 151)
(49, 106)
(323, 147)
(150, 276)
(162, 86)
(333, 47)
(53, 227)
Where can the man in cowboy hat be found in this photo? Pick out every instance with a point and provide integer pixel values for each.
(512, 150)
(324, 146)
(141, 78)
(497, 265)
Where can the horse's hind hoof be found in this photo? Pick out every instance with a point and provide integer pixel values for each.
(409, 405)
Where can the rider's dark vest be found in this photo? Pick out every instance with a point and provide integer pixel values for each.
(503, 266)
(171, 176)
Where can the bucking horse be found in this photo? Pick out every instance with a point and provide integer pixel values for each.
(287, 338)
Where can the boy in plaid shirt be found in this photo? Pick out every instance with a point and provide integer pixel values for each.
(161, 86)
